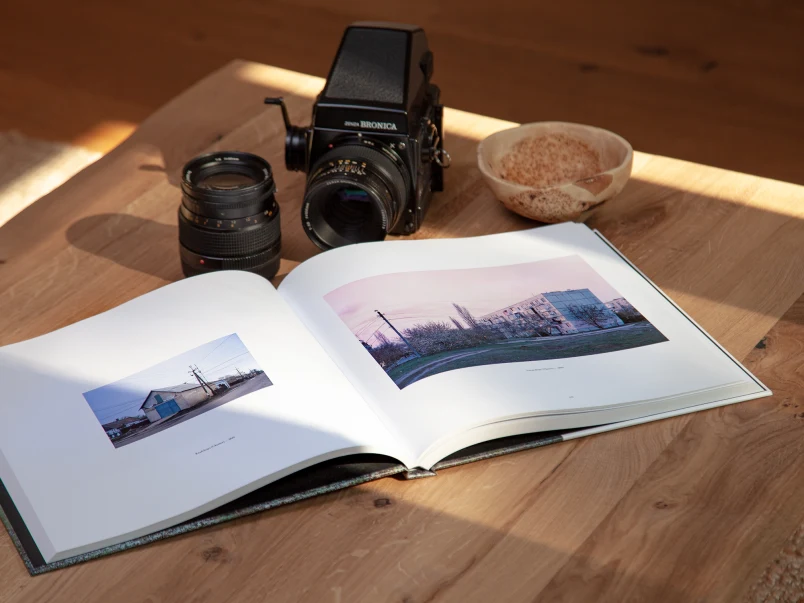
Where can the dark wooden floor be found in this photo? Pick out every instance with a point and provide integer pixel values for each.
(719, 82)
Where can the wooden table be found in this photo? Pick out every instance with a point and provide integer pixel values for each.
(687, 509)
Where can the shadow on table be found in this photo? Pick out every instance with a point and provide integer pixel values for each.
(655, 225)
(385, 540)
(487, 531)
(130, 241)
(453, 537)
(231, 116)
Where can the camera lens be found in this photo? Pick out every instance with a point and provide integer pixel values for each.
(229, 218)
(354, 194)
(349, 212)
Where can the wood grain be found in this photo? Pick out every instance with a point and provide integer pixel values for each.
(715, 81)
(620, 516)
(700, 522)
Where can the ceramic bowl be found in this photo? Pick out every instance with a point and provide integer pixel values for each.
(560, 186)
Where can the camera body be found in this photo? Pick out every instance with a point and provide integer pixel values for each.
(374, 150)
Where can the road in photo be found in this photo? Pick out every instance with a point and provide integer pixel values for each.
(176, 390)
(525, 350)
(419, 324)
(237, 391)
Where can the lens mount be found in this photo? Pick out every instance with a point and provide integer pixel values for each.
(355, 193)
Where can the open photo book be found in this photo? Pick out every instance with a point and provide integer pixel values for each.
(219, 396)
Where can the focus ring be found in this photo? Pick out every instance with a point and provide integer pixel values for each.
(245, 241)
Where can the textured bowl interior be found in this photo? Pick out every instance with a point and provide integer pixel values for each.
(563, 198)
(612, 150)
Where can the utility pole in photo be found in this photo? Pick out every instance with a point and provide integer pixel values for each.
(194, 371)
(402, 337)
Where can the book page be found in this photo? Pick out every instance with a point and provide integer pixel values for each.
(166, 407)
(443, 336)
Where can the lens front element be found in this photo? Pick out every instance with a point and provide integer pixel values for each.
(353, 216)
(347, 214)
(227, 181)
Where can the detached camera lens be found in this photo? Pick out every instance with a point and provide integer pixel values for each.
(229, 217)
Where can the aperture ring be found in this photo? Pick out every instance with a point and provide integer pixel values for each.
(226, 224)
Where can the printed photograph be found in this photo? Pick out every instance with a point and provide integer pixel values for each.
(419, 324)
(176, 390)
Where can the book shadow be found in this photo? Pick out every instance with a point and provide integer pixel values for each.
(455, 537)
(207, 439)
(373, 542)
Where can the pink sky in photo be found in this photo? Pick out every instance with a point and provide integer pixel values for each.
(408, 298)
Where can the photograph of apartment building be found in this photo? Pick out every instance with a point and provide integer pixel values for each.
(419, 324)
(553, 313)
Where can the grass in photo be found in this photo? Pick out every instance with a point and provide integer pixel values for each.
(176, 390)
(419, 324)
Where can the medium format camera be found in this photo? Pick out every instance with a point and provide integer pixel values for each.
(374, 151)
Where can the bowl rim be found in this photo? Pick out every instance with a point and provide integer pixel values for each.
(629, 155)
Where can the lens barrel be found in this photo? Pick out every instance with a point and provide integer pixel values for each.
(355, 193)
(229, 217)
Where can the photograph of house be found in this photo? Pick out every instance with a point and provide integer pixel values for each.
(203, 379)
(164, 402)
(419, 324)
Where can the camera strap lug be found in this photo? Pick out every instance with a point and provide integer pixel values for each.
(435, 152)
(442, 158)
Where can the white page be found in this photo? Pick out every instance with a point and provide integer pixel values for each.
(77, 491)
(354, 279)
